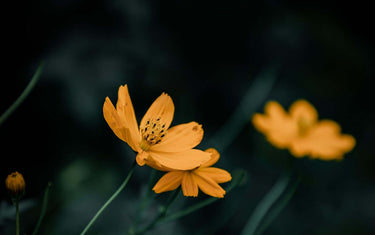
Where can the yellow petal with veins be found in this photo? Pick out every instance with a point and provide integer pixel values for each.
(208, 186)
(180, 138)
(161, 110)
(186, 160)
(125, 110)
(170, 181)
(117, 124)
(216, 174)
(189, 185)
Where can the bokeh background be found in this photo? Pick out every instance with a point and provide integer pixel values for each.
(206, 55)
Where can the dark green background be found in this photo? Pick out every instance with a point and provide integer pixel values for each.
(205, 54)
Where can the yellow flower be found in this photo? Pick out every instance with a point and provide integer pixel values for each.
(15, 185)
(301, 132)
(154, 141)
(205, 178)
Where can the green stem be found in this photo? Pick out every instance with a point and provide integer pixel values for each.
(111, 198)
(44, 208)
(190, 209)
(17, 218)
(162, 212)
(146, 196)
(277, 209)
(23, 95)
(265, 204)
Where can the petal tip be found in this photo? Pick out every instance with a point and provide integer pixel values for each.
(107, 99)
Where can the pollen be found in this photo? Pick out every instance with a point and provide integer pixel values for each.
(152, 133)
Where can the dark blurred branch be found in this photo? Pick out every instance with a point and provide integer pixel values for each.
(275, 211)
(23, 95)
(253, 99)
(258, 221)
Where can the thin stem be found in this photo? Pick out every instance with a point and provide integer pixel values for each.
(172, 197)
(146, 197)
(23, 95)
(280, 205)
(190, 209)
(162, 212)
(17, 218)
(265, 204)
(44, 208)
(111, 198)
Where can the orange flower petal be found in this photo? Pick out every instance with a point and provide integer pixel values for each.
(170, 181)
(213, 159)
(216, 174)
(188, 185)
(274, 112)
(278, 127)
(323, 141)
(301, 132)
(156, 165)
(162, 108)
(186, 160)
(208, 186)
(126, 113)
(302, 109)
(142, 157)
(116, 123)
(261, 122)
(215, 155)
(326, 127)
(180, 138)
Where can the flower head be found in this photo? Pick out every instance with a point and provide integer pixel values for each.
(301, 132)
(15, 185)
(153, 140)
(205, 177)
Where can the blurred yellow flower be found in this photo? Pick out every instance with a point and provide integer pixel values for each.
(154, 141)
(205, 178)
(301, 132)
(15, 185)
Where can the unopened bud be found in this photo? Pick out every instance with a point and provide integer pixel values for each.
(15, 185)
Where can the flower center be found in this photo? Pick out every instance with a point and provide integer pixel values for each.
(152, 133)
(304, 125)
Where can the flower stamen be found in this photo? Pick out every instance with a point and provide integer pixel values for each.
(152, 133)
